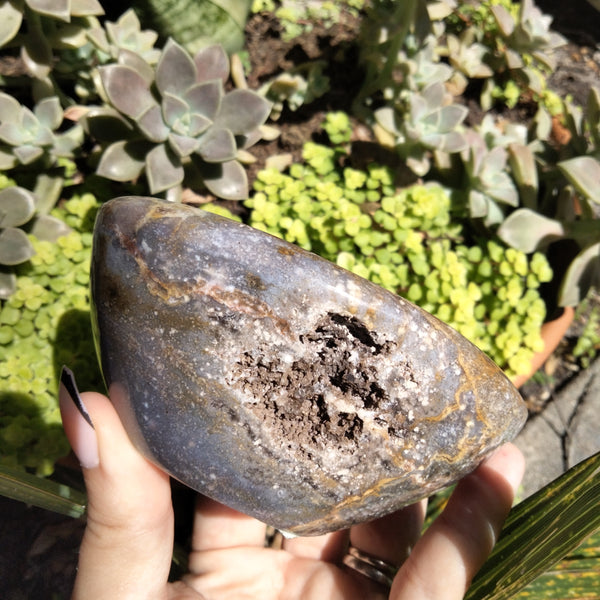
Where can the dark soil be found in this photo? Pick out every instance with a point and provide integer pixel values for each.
(39, 548)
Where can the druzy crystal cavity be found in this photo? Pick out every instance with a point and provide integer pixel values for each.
(278, 383)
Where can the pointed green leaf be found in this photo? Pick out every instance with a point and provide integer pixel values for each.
(225, 180)
(527, 230)
(212, 63)
(49, 112)
(582, 274)
(86, 8)
(10, 21)
(176, 71)
(242, 111)
(15, 247)
(8, 284)
(57, 9)
(540, 531)
(126, 89)
(43, 493)
(174, 109)
(106, 124)
(17, 206)
(123, 161)
(152, 124)
(48, 228)
(584, 173)
(205, 98)
(217, 145)
(183, 145)
(163, 169)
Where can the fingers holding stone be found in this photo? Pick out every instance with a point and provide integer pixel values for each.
(459, 541)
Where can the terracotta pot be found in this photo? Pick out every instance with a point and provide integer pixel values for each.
(552, 333)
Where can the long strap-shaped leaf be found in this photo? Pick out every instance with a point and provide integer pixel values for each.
(43, 493)
(540, 531)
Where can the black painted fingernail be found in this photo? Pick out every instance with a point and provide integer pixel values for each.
(68, 380)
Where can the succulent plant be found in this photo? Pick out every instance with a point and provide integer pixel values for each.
(488, 180)
(176, 117)
(424, 122)
(529, 33)
(50, 25)
(125, 34)
(18, 209)
(27, 136)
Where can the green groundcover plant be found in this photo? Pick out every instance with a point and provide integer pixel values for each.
(468, 239)
(44, 325)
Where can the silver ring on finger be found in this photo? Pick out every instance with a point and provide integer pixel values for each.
(371, 567)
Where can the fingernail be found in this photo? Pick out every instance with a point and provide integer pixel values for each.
(77, 422)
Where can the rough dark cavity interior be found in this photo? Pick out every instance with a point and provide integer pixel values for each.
(318, 397)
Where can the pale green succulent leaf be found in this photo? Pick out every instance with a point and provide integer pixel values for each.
(11, 134)
(131, 59)
(57, 9)
(450, 117)
(10, 21)
(505, 21)
(36, 54)
(523, 165)
(8, 284)
(123, 161)
(217, 145)
(212, 63)
(434, 95)
(173, 110)
(17, 206)
(527, 230)
(163, 169)
(176, 71)
(49, 228)
(106, 124)
(86, 8)
(584, 173)
(10, 109)
(49, 112)
(242, 111)
(28, 153)
(66, 144)
(226, 180)
(152, 124)
(593, 116)
(126, 89)
(582, 274)
(198, 124)
(452, 142)
(205, 98)
(183, 145)
(15, 247)
(7, 159)
(386, 117)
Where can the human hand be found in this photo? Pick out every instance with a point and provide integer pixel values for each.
(128, 541)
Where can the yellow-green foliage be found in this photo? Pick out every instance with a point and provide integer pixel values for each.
(44, 325)
(408, 242)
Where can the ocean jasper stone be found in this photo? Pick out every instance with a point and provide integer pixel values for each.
(278, 383)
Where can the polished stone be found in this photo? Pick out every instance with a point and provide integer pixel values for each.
(278, 383)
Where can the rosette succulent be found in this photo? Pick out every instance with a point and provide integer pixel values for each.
(29, 135)
(176, 122)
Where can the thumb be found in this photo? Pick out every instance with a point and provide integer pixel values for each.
(128, 541)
